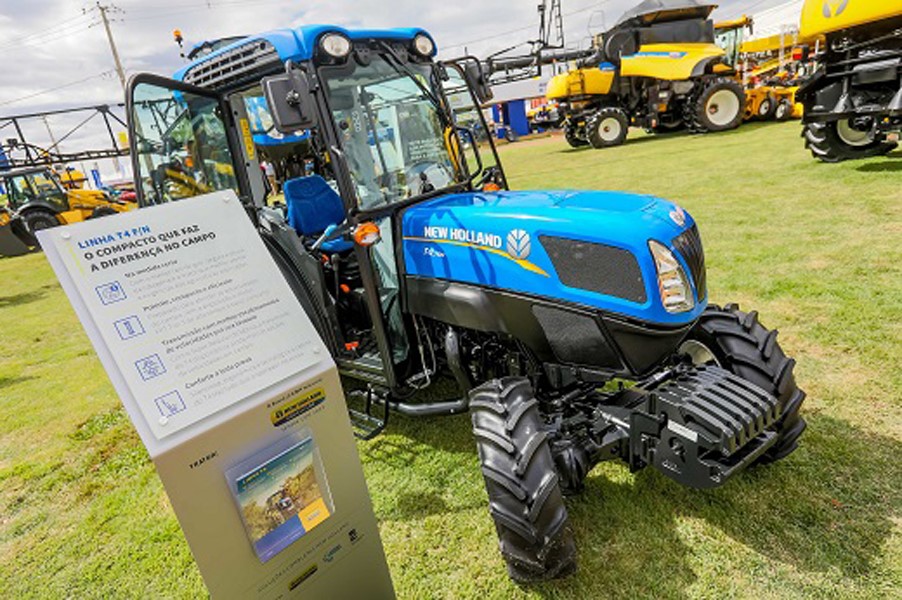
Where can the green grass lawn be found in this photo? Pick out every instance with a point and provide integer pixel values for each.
(814, 248)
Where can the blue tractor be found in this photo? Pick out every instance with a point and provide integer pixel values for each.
(574, 326)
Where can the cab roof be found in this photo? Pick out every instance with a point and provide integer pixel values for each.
(263, 51)
(659, 11)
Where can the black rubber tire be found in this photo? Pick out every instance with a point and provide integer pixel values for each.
(36, 220)
(767, 109)
(597, 127)
(525, 499)
(826, 145)
(571, 134)
(743, 346)
(784, 110)
(695, 110)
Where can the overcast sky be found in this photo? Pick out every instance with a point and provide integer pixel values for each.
(55, 52)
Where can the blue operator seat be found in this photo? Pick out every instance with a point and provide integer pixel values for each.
(312, 206)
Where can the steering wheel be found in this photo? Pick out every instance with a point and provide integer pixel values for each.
(427, 173)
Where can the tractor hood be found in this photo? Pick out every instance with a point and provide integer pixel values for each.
(582, 247)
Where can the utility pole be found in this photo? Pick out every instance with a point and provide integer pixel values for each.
(102, 9)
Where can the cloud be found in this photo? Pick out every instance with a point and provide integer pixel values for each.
(48, 45)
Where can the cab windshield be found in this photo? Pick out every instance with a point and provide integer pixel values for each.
(397, 138)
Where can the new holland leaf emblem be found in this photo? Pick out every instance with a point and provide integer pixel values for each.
(834, 8)
(518, 244)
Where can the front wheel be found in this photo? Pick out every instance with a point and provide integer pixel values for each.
(734, 340)
(843, 140)
(525, 499)
(718, 106)
(607, 128)
(35, 221)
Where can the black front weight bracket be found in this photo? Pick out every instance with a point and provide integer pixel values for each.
(702, 427)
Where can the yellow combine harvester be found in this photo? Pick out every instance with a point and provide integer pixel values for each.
(853, 103)
(658, 68)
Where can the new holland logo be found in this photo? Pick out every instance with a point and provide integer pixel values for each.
(518, 244)
(834, 8)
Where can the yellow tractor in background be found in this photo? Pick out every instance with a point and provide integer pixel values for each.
(659, 68)
(853, 102)
(36, 197)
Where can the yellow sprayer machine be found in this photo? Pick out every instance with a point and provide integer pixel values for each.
(659, 68)
(853, 103)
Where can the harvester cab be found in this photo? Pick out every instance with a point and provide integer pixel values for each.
(40, 200)
(658, 68)
(420, 269)
(853, 103)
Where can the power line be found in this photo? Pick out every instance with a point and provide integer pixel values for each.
(593, 6)
(54, 89)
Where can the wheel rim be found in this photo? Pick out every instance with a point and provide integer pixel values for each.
(699, 353)
(781, 111)
(851, 136)
(764, 108)
(609, 129)
(722, 107)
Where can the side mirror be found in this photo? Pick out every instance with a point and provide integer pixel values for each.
(290, 101)
(477, 81)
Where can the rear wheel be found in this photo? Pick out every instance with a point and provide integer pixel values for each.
(736, 341)
(607, 128)
(784, 110)
(525, 499)
(718, 106)
(571, 134)
(842, 140)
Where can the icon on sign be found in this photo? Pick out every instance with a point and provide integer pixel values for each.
(150, 367)
(110, 292)
(170, 404)
(129, 327)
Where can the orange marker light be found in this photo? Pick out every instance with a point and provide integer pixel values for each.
(491, 187)
(367, 234)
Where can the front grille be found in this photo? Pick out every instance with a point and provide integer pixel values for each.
(689, 244)
(595, 267)
(246, 63)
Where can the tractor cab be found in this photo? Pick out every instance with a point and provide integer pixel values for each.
(359, 127)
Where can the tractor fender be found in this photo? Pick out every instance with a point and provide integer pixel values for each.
(41, 205)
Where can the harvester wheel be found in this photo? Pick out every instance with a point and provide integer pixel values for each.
(736, 341)
(768, 108)
(36, 220)
(571, 134)
(718, 105)
(838, 141)
(784, 110)
(525, 499)
(607, 128)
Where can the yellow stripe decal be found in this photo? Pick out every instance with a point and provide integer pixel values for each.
(525, 264)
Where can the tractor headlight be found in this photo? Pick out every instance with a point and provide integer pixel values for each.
(676, 293)
(423, 44)
(335, 45)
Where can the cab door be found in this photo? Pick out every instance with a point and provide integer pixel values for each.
(186, 141)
